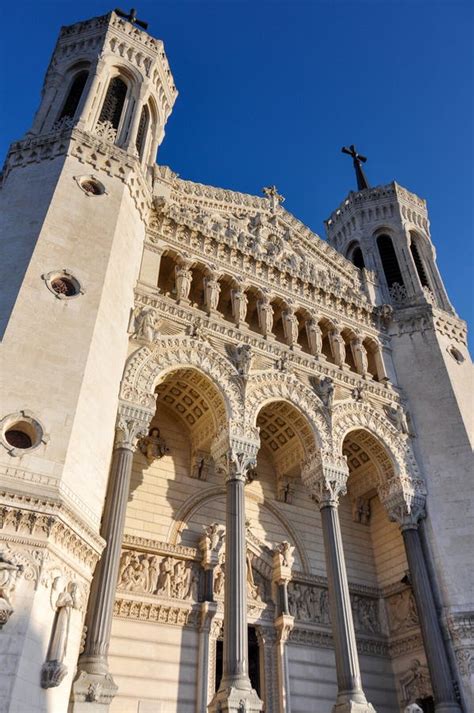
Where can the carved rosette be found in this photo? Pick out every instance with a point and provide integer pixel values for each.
(325, 476)
(132, 425)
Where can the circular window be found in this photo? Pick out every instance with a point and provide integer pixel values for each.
(21, 432)
(63, 284)
(456, 354)
(91, 185)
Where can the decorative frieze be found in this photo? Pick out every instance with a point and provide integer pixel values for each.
(125, 608)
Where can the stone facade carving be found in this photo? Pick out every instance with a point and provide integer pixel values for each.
(63, 600)
(202, 465)
(285, 489)
(143, 324)
(402, 614)
(415, 684)
(308, 603)
(153, 446)
(9, 572)
(361, 510)
(169, 577)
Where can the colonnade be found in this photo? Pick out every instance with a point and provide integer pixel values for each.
(326, 477)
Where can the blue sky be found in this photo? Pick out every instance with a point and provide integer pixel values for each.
(270, 91)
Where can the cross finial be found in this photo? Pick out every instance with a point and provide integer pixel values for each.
(274, 197)
(358, 160)
(131, 17)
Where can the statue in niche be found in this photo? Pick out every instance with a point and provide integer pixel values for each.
(212, 290)
(213, 537)
(9, 572)
(325, 390)
(285, 490)
(265, 311)
(338, 347)
(64, 600)
(361, 510)
(360, 355)
(292, 330)
(399, 418)
(251, 586)
(152, 446)
(315, 337)
(143, 324)
(239, 305)
(184, 278)
(201, 466)
(219, 580)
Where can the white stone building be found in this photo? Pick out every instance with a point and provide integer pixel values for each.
(235, 459)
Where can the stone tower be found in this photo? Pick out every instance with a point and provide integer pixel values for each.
(385, 231)
(70, 263)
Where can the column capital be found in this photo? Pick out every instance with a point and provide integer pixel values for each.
(236, 455)
(325, 475)
(284, 626)
(132, 424)
(404, 499)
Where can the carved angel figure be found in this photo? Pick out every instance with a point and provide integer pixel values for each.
(213, 536)
(243, 357)
(152, 446)
(399, 418)
(143, 324)
(285, 550)
(326, 391)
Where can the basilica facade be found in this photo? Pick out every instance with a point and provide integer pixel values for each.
(235, 459)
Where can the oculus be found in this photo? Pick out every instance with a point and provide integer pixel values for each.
(21, 432)
(63, 284)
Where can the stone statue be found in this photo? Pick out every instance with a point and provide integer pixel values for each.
(184, 278)
(212, 290)
(360, 355)
(286, 556)
(325, 390)
(285, 490)
(154, 572)
(291, 327)
(243, 358)
(315, 337)
(358, 393)
(8, 576)
(164, 577)
(338, 347)
(219, 580)
(265, 313)
(361, 510)
(213, 537)
(54, 670)
(282, 363)
(251, 586)
(152, 446)
(144, 324)
(399, 418)
(202, 463)
(239, 305)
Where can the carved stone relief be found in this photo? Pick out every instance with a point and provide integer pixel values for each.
(402, 614)
(9, 572)
(168, 576)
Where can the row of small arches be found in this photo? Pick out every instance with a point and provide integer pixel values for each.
(292, 325)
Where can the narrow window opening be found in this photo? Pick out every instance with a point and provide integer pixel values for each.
(390, 264)
(358, 258)
(219, 661)
(254, 659)
(141, 133)
(419, 265)
(74, 96)
(113, 102)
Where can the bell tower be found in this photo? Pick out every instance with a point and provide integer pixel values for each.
(385, 232)
(74, 200)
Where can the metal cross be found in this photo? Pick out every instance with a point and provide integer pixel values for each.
(358, 160)
(131, 17)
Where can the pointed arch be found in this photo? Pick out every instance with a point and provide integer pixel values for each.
(265, 387)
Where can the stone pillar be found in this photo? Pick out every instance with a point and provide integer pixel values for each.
(94, 687)
(235, 456)
(208, 612)
(325, 475)
(135, 121)
(407, 512)
(283, 561)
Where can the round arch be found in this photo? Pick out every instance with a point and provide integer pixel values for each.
(269, 387)
(147, 367)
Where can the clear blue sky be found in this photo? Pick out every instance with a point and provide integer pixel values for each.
(270, 91)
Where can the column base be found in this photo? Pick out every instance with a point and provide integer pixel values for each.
(353, 707)
(92, 692)
(235, 700)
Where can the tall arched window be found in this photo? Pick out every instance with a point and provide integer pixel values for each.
(74, 96)
(142, 129)
(390, 264)
(358, 258)
(419, 264)
(113, 102)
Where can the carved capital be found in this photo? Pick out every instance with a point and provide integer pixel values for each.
(325, 475)
(284, 626)
(235, 456)
(404, 499)
(132, 425)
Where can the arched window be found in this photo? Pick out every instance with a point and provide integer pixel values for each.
(419, 264)
(358, 258)
(113, 102)
(74, 96)
(142, 129)
(390, 264)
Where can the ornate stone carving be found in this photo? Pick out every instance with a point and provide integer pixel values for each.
(415, 684)
(9, 572)
(63, 600)
(398, 294)
(169, 576)
(183, 278)
(212, 290)
(210, 544)
(361, 510)
(400, 418)
(283, 555)
(402, 614)
(143, 324)
(105, 130)
(236, 456)
(243, 358)
(153, 446)
(360, 355)
(131, 427)
(265, 317)
(366, 615)
(325, 475)
(325, 390)
(239, 305)
(285, 489)
(315, 336)
(338, 347)
(202, 465)
(309, 603)
(358, 392)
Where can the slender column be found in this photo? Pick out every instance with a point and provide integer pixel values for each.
(284, 625)
(326, 476)
(435, 649)
(94, 684)
(208, 612)
(235, 685)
